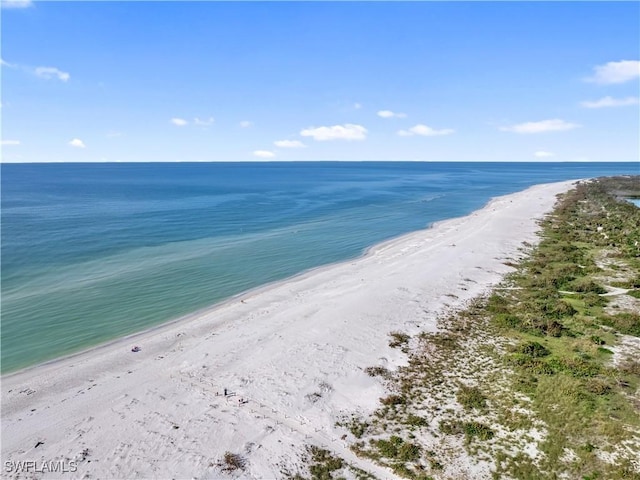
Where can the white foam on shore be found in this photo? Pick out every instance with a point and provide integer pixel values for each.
(296, 350)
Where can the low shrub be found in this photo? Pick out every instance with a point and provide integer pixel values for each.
(507, 320)
(631, 366)
(356, 426)
(471, 397)
(598, 386)
(497, 304)
(625, 322)
(453, 427)
(586, 285)
(479, 430)
(323, 463)
(469, 429)
(532, 349)
(397, 448)
(579, 367)
(377, 372)
(552, 328)
(594, 300)
(416, 421)
(232, 462)
(398, 339)
(393, 400)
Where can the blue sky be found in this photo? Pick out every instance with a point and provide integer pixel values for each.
(216, 81)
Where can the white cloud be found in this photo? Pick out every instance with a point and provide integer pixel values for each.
(348, 131)
(554, 125)
(16, 3)
(610, 102)
(180, 122)
(51, 72)
(203, 123)
(289, 144)
(76, 142)
(357, 106)
(424, 131)
(48, 73)
(246, 124)
(543, 154)
(10, 143)
(615, 72)
(390, 114)
(264, 154)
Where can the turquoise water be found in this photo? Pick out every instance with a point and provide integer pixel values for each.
(635, 201)
(92, 252)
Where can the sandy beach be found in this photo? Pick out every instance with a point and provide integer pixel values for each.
(290, 355)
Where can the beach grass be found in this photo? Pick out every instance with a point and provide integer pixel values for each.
(531, 378)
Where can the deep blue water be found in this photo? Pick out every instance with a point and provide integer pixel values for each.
(91, 252)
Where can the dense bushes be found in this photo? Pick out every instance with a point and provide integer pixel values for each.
(625, 322)
(397, 448)
(469, 429)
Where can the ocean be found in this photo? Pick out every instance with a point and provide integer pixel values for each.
(93, 252)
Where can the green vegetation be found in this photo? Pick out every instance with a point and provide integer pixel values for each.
(560, 321)
(413, 409)
(398, 339)
(624, 322)
(471, 397)
(401, 455)
(377, 372)
(355, 425)
(533, 378)
(398, 449)
(323, 465)
(470, 429)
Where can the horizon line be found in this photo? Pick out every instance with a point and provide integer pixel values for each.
(311, 161)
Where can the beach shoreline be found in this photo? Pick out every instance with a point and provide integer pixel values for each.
(244, 295)
(295, 347)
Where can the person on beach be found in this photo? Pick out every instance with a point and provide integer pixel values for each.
(225, 392)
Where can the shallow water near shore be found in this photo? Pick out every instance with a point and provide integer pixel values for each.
(93, 252)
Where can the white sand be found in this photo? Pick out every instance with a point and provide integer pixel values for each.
(296, 350)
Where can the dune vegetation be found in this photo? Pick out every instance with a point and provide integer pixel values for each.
(539, 379)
